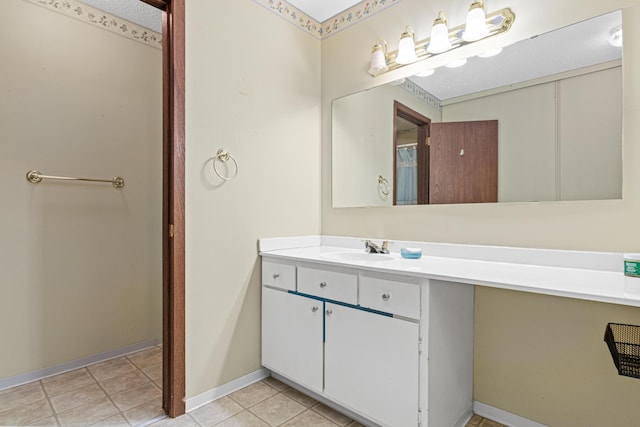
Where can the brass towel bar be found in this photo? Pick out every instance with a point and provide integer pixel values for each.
(35, 177)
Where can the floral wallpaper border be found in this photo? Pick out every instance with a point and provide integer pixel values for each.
(332, 25)
(93, 16)
(320, 30)
(419, 92)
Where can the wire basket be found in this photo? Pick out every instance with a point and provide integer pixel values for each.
(624, 344)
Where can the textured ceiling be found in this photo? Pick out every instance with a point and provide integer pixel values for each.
(132, 10)
(321, 10)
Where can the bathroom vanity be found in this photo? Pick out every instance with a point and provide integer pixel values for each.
(391, 339)
(391, 348)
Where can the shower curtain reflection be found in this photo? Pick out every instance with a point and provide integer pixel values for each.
(406, 176)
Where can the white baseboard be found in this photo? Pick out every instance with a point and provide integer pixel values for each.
(225, 389)
(503, 417)
(74, 364)
(464, 418)
(479, 408)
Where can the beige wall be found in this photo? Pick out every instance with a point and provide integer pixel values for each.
(596, 225)
(81, 263)
(589, 136)
(363, 123)
(253, 86)
(544, 358)
(559, 140)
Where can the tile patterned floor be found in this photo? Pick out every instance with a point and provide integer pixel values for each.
(272, 403)
(119, 392)
(127, 392)
(265, 403)
(478, 421)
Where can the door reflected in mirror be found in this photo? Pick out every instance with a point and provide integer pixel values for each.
(552, 105)
(442, 163)
(411, 160)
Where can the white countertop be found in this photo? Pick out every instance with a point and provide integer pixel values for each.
(573, 274)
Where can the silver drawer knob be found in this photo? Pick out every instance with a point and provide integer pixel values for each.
(314, 309)
(323, 284)
(329, 311)
(386, 296)
(276, 275)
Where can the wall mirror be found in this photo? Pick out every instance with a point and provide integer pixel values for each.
(540, 121)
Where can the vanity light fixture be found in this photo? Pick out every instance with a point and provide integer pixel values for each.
(442, 39)
(407, 47)
(476, 26)
(615, 39)
(439, 41)
(378, 60)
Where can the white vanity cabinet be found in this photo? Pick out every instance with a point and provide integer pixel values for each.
(371, 364)
(363, 340)
(292, 331)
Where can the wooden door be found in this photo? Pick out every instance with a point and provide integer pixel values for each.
(371, 364)
(463, 162)
(292, 337)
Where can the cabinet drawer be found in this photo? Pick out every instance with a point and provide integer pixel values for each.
(278, 275)
(328, 284)
(390, 296)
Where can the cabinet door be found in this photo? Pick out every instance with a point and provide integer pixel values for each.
(292, 337)
(371, 364)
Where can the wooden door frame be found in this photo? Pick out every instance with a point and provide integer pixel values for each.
(423, 123)
(173, 229)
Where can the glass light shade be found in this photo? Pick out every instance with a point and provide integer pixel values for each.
(457, 63)
(439, 41)
(476, 26)
(615, 39)
(378, 60)
(425, 73)
(407, 48)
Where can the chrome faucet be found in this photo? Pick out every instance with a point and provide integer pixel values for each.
(372, 248)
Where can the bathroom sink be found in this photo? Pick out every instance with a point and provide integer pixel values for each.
(356, 256)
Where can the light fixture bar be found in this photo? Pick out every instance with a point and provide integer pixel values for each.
(497, 22)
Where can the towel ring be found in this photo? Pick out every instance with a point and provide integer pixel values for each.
(224, 156)
(383, 184)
